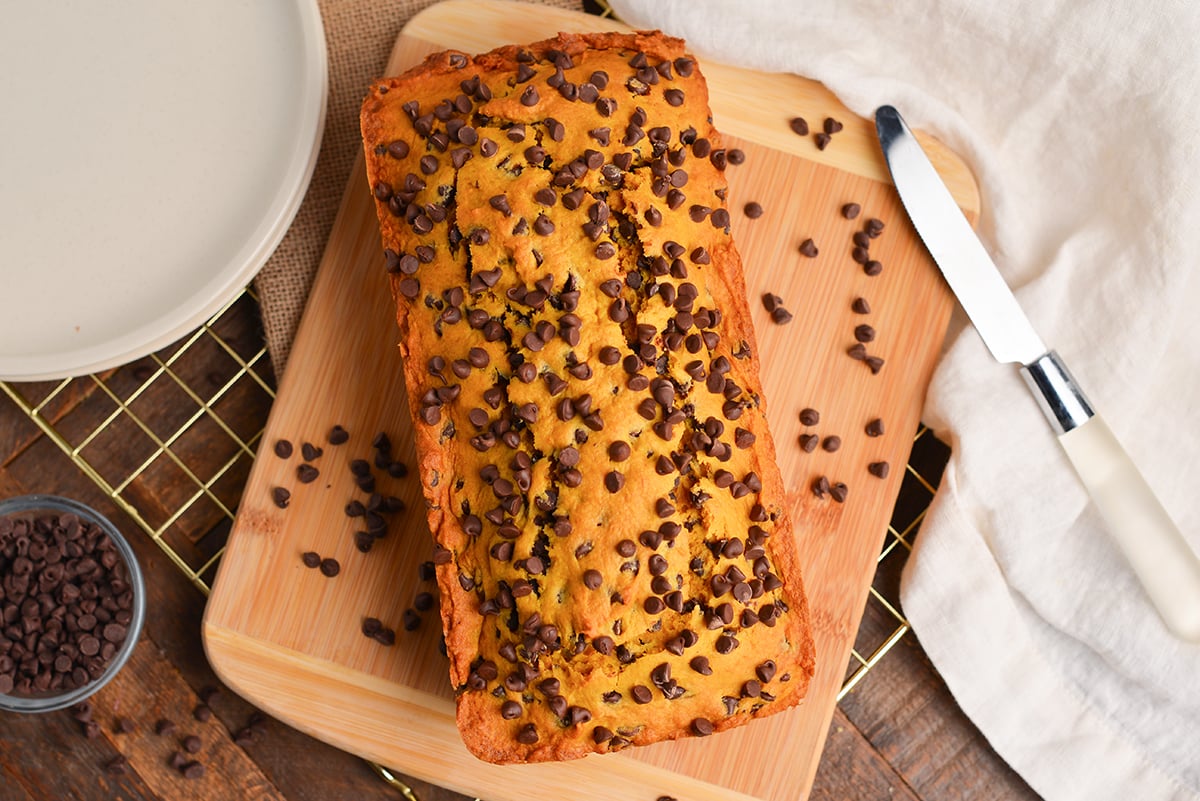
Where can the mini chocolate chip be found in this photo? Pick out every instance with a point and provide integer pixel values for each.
(875, 428)
(809, 442)
(851, 210)
(753, 210)
(192, 744)
(831, 443)
(281, 497)
(874, 363)
(810, 417)
(822, 140)
(641, 694)
(878, 469)
(283, 448)
(702, 727)
(838, 492)
(864, 333)
(799, 126)
(860, 306)
(330, 567)
(529, 98)
(872, 267)
(832, 126)
(808, 248)
(736, 156)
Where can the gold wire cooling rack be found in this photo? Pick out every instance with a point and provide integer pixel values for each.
(186, 422)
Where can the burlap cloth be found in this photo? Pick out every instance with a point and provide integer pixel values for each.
(359, 35)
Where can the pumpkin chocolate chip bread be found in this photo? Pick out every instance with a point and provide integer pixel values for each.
(615, 560)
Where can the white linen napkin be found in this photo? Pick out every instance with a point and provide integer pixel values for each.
(1081, 122)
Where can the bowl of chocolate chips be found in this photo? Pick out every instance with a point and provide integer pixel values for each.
(72, 601)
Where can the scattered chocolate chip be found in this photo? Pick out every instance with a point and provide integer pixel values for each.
(832, 126)
(202, 713)
(860, 306)
(874, 363)
(330, 567)
(878, 469)
(702, 727)
(311, 559)
(872, 267)
(338, 435)
(838, 492)
(192, 770)
(864, 333)
(753, 210)
(799, 126)
(822, 140)
(875, 428)
(283, 448)
(192, 744)
(307, 474)
(851, 210)
(831, 443)
(164, 727)
(281, 497)
(808, 248)
(808, 442)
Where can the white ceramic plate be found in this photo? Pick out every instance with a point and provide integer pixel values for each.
(152, 155)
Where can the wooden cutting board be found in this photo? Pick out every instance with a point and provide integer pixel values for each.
(288, 638)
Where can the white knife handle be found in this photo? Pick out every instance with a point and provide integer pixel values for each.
(1136, 520)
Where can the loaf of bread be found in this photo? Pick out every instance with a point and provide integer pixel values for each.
(615, 560)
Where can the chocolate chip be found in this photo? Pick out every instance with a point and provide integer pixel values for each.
(874, 363)
(838, 492)
(281, 497)
(398, 149)
(799, 126)
(529, 97)
(192, 744)
(202, 713)
(822, 140)
(860, 306)
(872, 267)
(831, 443)
(878, 469)
(283, 448)
(311, 452)
(832, 126)
(311, 559)
(873, 227)
(338, 435)
(702, 727)
(864, 333)
(753, 210)
(641, 694)
(808, 442)
(809, 249)
(192, 770)
(330, 567)
(736, 156)
(851, 210)
(164, 727)
(875, 428)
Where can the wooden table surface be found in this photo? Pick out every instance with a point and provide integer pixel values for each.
(897, 735)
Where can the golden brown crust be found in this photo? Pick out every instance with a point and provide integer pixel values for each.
(590, 429)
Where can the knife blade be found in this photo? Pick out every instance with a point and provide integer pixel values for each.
(1151, 542)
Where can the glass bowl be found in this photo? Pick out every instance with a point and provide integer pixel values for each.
(38, 505)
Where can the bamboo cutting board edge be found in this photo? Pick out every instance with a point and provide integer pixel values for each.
(226, 650)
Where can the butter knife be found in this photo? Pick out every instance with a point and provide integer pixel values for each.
(1151, 542)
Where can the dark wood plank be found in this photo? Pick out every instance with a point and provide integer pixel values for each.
(851, 768)
(906, 713)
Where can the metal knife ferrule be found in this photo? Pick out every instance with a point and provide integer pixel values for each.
(1057, 393)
